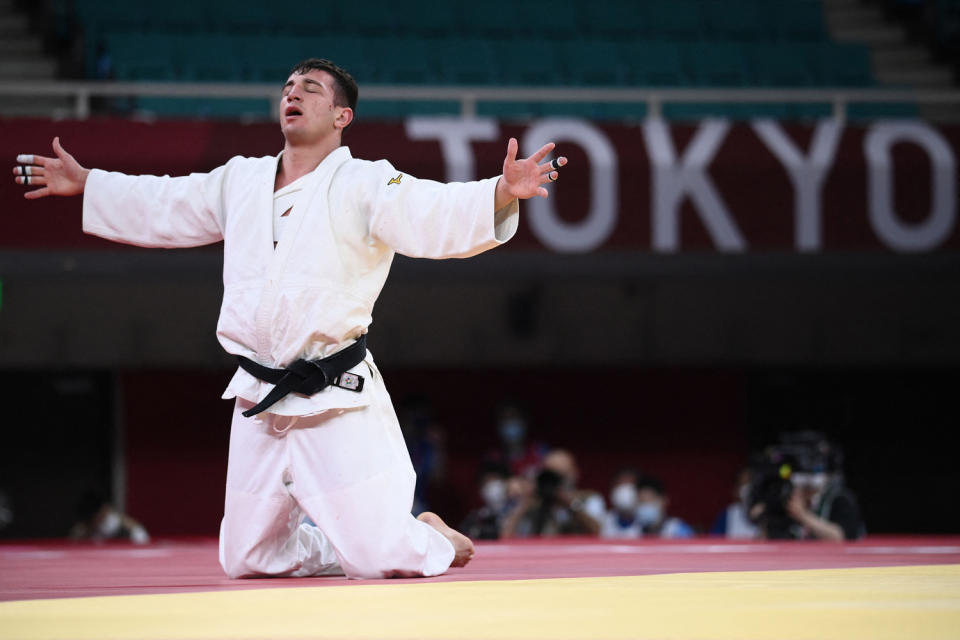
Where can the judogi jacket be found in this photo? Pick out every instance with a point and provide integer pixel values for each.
(313, 294)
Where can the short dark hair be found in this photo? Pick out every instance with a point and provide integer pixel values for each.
(346, 91)
(653, 483)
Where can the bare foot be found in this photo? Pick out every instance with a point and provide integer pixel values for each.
(463, 548)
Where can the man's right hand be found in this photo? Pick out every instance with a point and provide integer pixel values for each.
(59, 176)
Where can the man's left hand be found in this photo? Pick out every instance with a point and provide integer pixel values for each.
(525, 178)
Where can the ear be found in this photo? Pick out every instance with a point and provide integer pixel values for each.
(344, 118)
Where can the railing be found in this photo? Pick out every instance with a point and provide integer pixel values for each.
(81, 94)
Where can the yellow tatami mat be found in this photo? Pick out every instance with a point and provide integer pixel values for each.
(903, 603)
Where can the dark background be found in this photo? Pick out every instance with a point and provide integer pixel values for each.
(692, 427)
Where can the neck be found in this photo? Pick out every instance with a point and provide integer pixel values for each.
(297, 161)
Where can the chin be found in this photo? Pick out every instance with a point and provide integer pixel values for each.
(294, 135)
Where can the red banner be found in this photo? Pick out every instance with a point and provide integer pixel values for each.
(712, 186)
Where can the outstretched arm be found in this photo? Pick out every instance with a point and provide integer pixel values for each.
(61, 175)
(149, 211)
(525, 178)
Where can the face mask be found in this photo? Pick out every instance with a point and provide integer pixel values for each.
(512, 430)
(815, 481)
(494, 494)
(109, 525)
(649, 513)
(624, 497)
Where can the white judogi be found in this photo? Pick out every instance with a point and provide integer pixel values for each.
(338, 455)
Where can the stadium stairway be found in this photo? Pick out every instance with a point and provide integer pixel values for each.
(896, 62)
(22, 58)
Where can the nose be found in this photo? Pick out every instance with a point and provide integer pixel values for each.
(293, 94)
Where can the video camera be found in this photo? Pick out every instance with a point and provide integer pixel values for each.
(549, 483)
(799, 459)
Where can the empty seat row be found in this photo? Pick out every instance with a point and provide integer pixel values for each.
(787, 20)
(220, 58)
(234, 108)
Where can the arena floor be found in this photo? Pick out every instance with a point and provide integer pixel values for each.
(584, 589)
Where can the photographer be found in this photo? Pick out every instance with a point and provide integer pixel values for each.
(553, 505)
(798, 492)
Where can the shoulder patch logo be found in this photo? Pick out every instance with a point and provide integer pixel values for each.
(395, 180)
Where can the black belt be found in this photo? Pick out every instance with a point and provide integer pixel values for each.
(308, 376)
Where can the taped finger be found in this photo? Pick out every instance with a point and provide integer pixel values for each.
(32, 159)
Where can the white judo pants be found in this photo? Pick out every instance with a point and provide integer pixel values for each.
(349, 471)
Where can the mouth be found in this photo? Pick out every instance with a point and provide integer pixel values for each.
(292, 112)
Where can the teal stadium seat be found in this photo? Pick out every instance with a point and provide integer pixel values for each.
(653, 64)
(404, 60)
(466, 61)
(269, 58)
(208, 57)
(100, 16)
(142, 57)
(439, 19)
(781, 65)
(680, 20)
(798, 21)
(596, 63)
(554, 19)
(843, 65)
(346, 51)
(529, 62)
(177, 16)
(717, 64)
(736, 20)
(246, 17)
(619, 20)
(496, 22)
(375, 18)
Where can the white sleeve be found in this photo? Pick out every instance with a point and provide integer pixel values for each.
(428, 219)
(155, 211)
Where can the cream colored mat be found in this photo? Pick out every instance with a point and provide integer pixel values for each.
(915, 603)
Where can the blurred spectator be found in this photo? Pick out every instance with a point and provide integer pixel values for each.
(553, 505)
(99, 521)
(104, 63)
(652, 503)
(621, 519)
(733, 521)
(523, 458)
(484, 523)
(427, 444)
